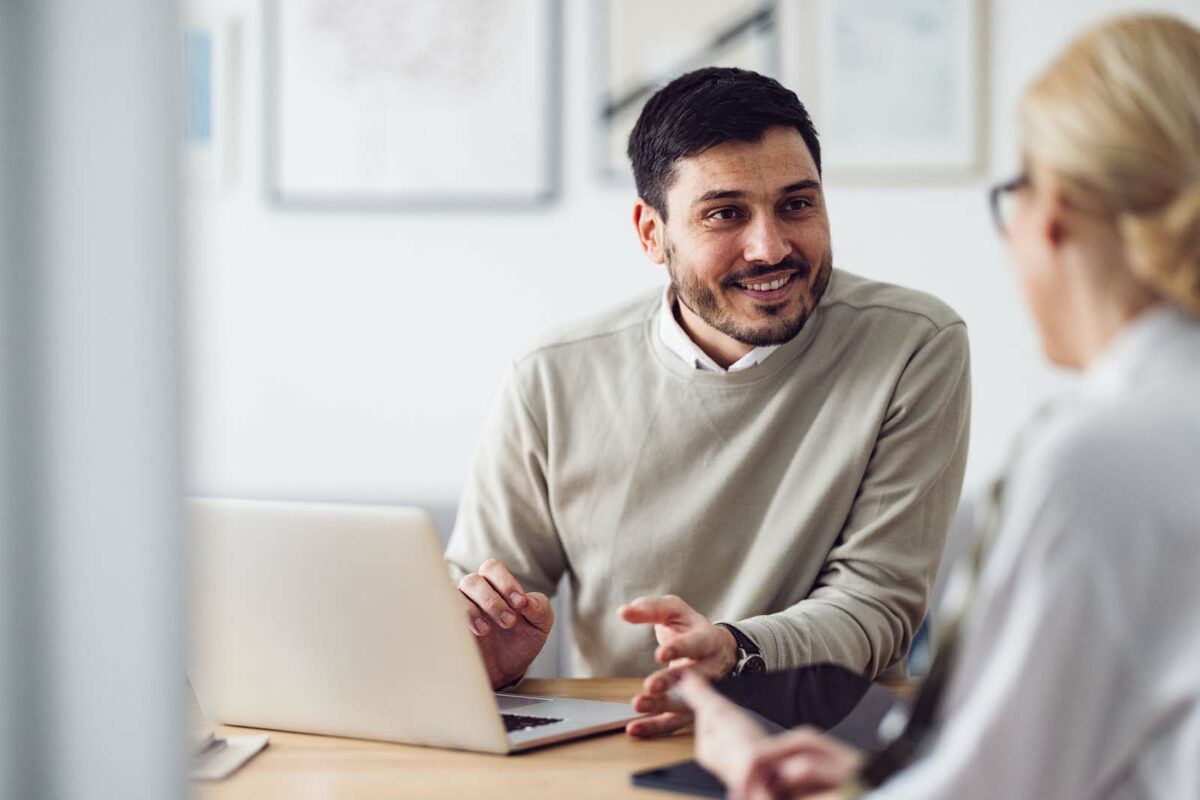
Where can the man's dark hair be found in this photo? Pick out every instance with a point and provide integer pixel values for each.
(705, 108)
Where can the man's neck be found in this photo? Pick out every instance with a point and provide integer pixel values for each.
(721, 348)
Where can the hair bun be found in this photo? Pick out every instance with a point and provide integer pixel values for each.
(1164, 247)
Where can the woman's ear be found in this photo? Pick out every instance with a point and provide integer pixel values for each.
(1056, 209)
(649, 225)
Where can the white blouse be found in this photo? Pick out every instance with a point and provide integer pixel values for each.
(1079, 674)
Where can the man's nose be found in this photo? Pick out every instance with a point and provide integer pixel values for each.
(765, 242)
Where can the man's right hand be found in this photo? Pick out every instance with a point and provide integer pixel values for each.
(509, 624)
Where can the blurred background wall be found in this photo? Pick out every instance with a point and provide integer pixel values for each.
(354, 356)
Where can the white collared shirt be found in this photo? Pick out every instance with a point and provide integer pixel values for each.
(678, 342)
(1079, 674)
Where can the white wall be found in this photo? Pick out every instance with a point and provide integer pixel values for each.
(355, 356)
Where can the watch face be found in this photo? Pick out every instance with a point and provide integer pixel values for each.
(749, 662)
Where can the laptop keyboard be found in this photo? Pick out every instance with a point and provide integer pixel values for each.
(517, 722)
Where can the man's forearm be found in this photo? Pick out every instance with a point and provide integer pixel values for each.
(835, 630)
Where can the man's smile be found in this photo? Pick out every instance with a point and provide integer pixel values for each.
(769, 288)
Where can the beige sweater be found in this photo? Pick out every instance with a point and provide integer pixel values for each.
(805, 499)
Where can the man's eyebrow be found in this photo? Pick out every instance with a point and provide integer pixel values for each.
(736, 194)
(719, 194)
(800, 186)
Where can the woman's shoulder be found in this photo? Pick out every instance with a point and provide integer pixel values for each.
(1117, 460)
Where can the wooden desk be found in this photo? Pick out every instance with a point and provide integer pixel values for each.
(299, 766)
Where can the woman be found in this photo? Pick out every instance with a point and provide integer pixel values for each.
(1078, 666)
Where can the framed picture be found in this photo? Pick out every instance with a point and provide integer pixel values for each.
(412, 104)
(897, 89)
(198, 86)
(213, 79)
(644, 45)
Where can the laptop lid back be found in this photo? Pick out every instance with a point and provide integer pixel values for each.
(338, 620)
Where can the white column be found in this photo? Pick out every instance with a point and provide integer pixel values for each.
(92, 631)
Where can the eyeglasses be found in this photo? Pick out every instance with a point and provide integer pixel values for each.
(1002, 198)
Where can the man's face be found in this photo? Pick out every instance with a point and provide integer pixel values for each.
(746, 241)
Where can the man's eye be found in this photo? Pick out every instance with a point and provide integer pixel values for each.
(723, 214)
(797, 204)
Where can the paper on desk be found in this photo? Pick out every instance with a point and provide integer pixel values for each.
(221, 762)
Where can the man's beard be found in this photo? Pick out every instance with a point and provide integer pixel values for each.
(706, 304)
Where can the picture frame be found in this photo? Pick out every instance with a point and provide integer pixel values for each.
(897, 90)
(644, 45)
(213, 82)
(406, 106)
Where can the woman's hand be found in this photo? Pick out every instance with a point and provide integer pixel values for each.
(753, 765)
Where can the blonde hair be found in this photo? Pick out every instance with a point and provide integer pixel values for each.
(1117, 118)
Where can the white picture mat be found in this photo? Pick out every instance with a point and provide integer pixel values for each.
(899, 86)
(412, 100)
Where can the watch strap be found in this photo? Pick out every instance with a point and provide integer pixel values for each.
(749, 654)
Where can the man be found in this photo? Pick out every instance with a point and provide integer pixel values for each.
(769, 441)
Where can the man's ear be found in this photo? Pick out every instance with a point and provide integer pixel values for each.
(650, 230)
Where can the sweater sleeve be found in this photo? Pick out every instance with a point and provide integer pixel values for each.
(873, 589)
(505, 510)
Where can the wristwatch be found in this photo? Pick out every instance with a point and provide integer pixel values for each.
(749, 656)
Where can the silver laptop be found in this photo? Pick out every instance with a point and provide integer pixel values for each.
(343, 620)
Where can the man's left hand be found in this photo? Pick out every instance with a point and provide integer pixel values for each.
(686, 640)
